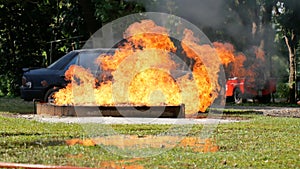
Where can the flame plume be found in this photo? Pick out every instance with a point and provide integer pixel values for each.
(141, 70)
(206, 76)
(238, 65)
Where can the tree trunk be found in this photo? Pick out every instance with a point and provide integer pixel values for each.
(291, 45)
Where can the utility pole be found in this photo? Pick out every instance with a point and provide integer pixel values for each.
(57, 41)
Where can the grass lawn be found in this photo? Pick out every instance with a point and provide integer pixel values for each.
(15, 105)
(261, 142)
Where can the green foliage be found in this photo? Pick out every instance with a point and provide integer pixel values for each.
(287, 21)
(280, 68)
(27, 29)
(282, 91)
(35, 33)
(18, 41)
(287, 16)
(109, 10)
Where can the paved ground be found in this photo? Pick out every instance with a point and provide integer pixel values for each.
(127, 120)
(270, 110)
(264, 110)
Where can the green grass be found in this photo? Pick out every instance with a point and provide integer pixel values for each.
(261, 142)
(15, 105)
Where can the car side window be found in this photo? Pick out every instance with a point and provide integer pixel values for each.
(74, 61)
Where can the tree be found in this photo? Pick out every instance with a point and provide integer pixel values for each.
(287, 21)
(34, 33)
(109, 10)
(20, 42)
(26, 29)
(88, 10)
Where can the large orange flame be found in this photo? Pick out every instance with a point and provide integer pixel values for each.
(205, 69)
(141, 69)
(83, 83)
(236, 66)
(225, 52)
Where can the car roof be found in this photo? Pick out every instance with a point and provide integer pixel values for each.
(96, 49)
(61, 62)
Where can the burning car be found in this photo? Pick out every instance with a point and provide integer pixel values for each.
(247, 77)
(139, 72)
(42, 83)
(238, 90)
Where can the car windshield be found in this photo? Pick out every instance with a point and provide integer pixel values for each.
(87, 58)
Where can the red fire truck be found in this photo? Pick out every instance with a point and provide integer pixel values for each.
(239, 90)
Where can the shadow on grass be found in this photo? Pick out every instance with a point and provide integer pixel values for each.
(15, 105)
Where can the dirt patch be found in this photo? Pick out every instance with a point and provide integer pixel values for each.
(13, 115)
(269, 110)
(283, 112)
(223, 116)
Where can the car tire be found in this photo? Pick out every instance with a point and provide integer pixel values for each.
(49, 96)
(237, 96)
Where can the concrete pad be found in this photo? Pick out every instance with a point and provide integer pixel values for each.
(130, 120)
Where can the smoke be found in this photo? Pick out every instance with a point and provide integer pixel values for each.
(219, 19)
(222, 20)
(212, 17)
(203, 12)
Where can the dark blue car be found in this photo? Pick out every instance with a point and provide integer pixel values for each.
(42, 83)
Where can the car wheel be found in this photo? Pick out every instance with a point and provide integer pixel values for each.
(49, 96)
(237, 95)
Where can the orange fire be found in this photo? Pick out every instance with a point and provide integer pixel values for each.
(236, 66)
(141, 70)
(205, 70)
(83, 83)
(225, 52)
